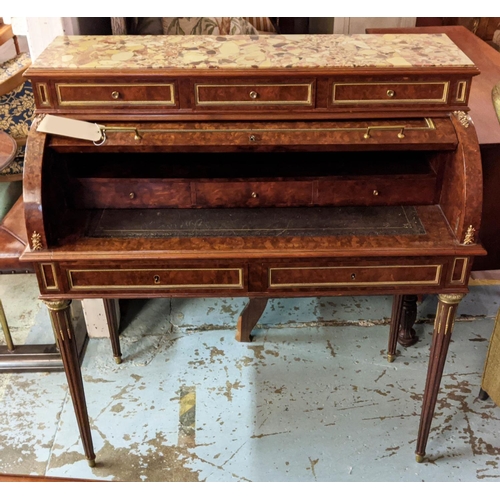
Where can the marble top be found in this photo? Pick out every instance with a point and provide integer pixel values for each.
(251, 52)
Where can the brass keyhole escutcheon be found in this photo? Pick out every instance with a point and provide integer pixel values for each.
(253, 94)
(254, 195)
(390, 93)
(353, 276)
(375, 192)
(115, 94)
(252, 138)
(156, 279)
(131, 196)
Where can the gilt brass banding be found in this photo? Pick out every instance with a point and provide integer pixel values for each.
(43, 94)
(434, 281)
(464, 261)
(44, 277)
(303, 102)
(83, 102)
(461, 91)
(156, 285)
(442, 99)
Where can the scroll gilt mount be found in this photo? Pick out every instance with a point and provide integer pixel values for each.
(462, 117)
(36, 241)
(469, 236)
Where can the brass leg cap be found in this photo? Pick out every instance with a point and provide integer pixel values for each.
(391, 358)
(91, 463)
(118, 360)
(419, 458)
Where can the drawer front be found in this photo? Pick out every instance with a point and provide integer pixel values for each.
(258, 94)
(354, 276)
(254, 194)
(389, 93)
(156, 279)
(131, 193)
(409, 190)
(110, 94)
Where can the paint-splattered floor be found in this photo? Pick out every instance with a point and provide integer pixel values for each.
(311, 399)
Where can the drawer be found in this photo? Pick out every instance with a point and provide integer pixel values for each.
(254, 94)
(105, 192)
(111, 94)
(155, 278)
(389, 93)
(354, 276)
(254, 194)
(399, 190)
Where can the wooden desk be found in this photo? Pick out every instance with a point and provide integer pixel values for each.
(487, 60)
(271, 166)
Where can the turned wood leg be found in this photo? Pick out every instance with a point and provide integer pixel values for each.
(112, 321)
(248, 319)
(406, 335)
(443, 326)
(397, 307)
(66, 340)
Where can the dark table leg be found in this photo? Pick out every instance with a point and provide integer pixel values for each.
(407, 336)
(248, 319)
(443, 326)
(66, 340)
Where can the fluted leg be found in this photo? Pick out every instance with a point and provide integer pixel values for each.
(397, 306)
(248, 319)
(66, 340)
(443, 326)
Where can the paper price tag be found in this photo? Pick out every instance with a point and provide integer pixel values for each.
(68, 127)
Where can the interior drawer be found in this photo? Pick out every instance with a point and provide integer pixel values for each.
(111, 94)
(156, 278)
(254, 94)
(377, 275)
(103, 192)
(397, 190)
(347, 93)
(254, 194)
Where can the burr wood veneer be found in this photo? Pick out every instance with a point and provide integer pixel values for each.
(272, 166)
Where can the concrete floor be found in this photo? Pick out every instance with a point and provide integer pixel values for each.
(311, 399)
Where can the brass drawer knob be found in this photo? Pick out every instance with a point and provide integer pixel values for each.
(254, 195)
(353, 276)
(115, 94)
(131, 196)
(156, 279)
(391, 93)
(252, 138)
(375, 192)
(253, 94)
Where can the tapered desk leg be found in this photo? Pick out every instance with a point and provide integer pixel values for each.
(111, 320)
(443, 326)
(397, 308)
(248, 319)
(66, 340)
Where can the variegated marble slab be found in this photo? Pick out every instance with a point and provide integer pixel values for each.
(252, 52)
